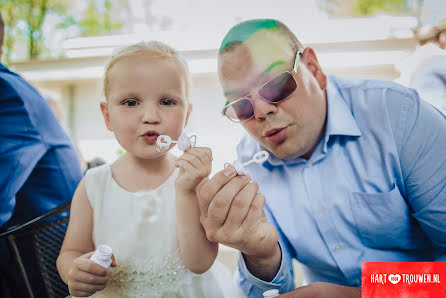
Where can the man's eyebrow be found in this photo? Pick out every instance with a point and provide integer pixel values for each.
(267, 70)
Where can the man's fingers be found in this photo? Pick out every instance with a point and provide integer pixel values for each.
(240, 206)
(255, 212)
(220, 204)
(207, 190)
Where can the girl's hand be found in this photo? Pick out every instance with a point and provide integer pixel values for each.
(86, 277)
(195, 165)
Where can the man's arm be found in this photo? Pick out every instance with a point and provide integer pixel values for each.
(422, 147)
(232, 214)
(20, 148)
(323, 289)
(264, 268)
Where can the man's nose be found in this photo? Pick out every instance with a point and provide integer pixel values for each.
(262, 108)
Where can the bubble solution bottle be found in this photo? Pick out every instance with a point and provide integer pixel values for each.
(271, 293)
(102, 256)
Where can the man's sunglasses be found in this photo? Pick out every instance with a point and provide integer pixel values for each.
(273, 91)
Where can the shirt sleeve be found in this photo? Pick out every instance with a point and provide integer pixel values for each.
(284, 279)
(421, 139)
(20, 148)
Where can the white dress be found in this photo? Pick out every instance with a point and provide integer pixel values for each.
(141, 229)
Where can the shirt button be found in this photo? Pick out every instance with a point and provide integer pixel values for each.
(283, 272)
(320, 209)
(337, 247)
(309, 165)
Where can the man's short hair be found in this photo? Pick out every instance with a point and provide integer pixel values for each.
(242, 31)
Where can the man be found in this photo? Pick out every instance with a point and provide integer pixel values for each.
(425, 69)
(39, 168)
(357, 170)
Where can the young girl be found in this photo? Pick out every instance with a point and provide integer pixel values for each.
(144, 205)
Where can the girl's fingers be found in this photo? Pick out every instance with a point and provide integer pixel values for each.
(87, 288)
(203, 154)
(87, 265)
(88, 278)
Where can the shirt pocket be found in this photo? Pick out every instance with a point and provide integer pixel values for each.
(384, 221)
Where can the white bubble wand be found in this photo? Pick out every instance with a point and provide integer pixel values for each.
(259, 157)
(184, 142)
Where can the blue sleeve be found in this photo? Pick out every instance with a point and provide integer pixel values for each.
(39, 166)
(284, 279)
(20, 148)
(420, 132)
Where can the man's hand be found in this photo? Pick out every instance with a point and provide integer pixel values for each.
(324, 290)
(232, 214)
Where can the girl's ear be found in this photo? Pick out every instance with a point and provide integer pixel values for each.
(189, 109)
(104, 111)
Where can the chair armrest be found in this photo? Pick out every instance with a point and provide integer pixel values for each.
(28, 225)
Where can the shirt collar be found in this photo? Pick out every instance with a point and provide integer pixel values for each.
(340, 120)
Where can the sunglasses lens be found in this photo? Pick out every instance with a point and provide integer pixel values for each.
(279, 88)
(240, 111)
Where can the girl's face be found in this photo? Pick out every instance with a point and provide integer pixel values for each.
(146, 98)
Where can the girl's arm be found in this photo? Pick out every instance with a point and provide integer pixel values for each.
(82, 276)
(197, 252)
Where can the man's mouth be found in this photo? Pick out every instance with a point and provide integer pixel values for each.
(272, 132)
(275, 135)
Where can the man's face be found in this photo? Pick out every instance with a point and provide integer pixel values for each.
(294, 126)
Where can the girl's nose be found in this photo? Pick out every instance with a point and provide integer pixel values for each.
(151, 115)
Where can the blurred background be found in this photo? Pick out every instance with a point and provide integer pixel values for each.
(61, 47)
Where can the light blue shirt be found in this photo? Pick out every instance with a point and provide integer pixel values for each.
(373, 190)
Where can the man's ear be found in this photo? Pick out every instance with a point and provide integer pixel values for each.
(189, 109)
(310, 60)
(104, 111)
(442, 40)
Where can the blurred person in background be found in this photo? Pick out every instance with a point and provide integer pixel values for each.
(55, 105)
(39, 170)
(425, 69)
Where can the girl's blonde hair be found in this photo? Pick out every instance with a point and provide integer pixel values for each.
(154, 49)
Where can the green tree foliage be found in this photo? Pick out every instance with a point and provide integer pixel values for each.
(32, 13)
(10, 14)
(97, 23)
(368, 7)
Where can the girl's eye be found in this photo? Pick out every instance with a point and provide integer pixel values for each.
(130, 102)
(167, 102)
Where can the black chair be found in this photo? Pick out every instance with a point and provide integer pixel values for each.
(46, 234)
